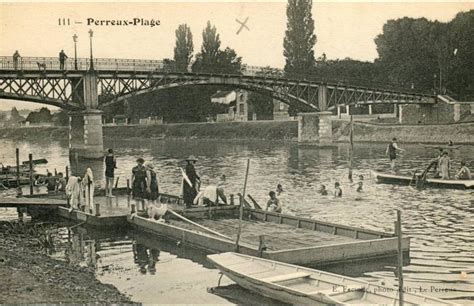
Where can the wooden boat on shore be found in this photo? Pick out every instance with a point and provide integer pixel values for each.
(406, 180)
(299, 285)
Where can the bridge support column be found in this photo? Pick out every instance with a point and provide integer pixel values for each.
(85, 134)
(315, 128)
(323, 97)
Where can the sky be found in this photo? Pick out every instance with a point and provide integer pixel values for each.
(343, 29)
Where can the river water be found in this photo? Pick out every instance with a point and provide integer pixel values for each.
(440, 222)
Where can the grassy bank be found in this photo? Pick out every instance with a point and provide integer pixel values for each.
(264, 130)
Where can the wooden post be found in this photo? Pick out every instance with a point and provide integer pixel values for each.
(116, 182)
(67, 173)
(30, 159)
(128, 186)
(76, 163)
(261, 245)
(400, 257)
(351, 139)
(232, 199)
(241, 210)
(132, 210)
(17, 167)
(97, 209)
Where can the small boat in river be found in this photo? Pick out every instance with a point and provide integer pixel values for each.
(444, 147)
(406, 180)
(299, 285)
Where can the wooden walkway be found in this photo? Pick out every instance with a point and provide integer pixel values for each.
(277, 236)
(23, 202)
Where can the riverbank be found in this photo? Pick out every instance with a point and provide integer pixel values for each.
(461, 133)
(29, 276)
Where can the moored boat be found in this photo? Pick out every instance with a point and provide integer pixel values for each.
(444, 147)
(406, 180)
(299, 285)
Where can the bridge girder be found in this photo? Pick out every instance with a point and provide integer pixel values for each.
(64, 88)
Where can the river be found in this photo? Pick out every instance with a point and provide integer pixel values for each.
(440, 222)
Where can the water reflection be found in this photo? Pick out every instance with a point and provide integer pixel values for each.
(145, 257)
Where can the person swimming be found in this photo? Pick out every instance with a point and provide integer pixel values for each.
(323, 190)
(337, 190)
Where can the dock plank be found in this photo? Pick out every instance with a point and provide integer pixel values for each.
(21, 202)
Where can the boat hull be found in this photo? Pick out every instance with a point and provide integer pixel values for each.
(384, 178)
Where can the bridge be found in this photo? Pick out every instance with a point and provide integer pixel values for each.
(78, 87)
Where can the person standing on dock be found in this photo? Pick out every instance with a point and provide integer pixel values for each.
(139, 181)
(151, 184)
(73, 191)
(190, 185)
(444, 166)
(88, 187)
(391, 151)
(110, 166)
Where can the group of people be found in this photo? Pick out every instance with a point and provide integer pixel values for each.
(441, 165)
(17, 58)
(442, 168)
(338, 189)
(54, 183)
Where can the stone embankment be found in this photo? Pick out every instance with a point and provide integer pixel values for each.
(263, 130)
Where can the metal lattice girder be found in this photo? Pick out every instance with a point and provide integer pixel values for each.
(46, 88)
(63, 88)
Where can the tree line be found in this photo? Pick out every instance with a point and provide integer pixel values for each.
(413, 54)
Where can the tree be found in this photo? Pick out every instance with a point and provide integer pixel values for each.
(206, 60)
(183, 52)
(15, 115)
(43, 115)
(299, 38)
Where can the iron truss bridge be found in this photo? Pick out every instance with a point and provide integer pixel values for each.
(40, 80)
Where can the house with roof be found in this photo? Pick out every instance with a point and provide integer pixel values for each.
(237, 106)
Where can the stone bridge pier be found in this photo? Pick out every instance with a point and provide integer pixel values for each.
(315, 128)
(85, 126)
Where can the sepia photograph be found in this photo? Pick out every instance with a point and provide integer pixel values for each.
(278, 152)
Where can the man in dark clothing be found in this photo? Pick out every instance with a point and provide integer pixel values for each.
(62, 59)
(392, 149)
(190, 191)
(16, 58)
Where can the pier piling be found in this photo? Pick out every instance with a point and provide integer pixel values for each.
(97, 209)
(17, 167)
(132, 210)
(30, 159)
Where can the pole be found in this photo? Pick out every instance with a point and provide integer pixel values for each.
(92, 59)
(67, 173)
(17, 167)
(30, 159)
(76, 163)
(400, 257)
(75, 51)
(351, 153)
(241, 208)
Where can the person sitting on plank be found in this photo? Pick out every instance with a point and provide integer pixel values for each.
(273, 203)
(464, 173)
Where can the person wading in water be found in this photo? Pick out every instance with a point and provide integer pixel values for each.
(190, 191)
(139, 181)
(392, 149)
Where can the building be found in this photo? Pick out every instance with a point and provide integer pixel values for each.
(237, 106)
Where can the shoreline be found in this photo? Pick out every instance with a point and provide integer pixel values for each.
(279, 131)
(30, 276)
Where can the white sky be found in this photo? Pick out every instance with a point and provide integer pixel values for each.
(343, 29)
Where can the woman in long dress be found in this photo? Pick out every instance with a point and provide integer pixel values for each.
(88, 188)
(139, 181)
(190, 190)
(152, 183)
(444, 166)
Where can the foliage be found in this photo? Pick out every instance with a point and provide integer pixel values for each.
(262, 105)
(183, 52)
(212, 59)
(299, 37)
(43, 115)
(62, 118)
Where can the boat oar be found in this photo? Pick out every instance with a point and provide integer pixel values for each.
(241, 208)
(199, 225)
(255, 204)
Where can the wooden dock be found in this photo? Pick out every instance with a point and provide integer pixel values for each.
(30, 202)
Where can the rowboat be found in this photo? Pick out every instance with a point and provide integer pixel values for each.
(299, 285)
(386, 178)
(444, 147)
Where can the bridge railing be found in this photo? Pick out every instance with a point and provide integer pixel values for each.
(53, 63)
